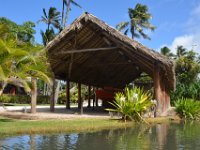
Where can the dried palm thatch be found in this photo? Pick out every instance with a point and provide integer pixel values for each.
(91, 52)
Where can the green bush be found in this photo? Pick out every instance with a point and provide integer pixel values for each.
(190, 91)
(73, 97)
(132, 103)
(41, 99)
(73, 94)
(23, 99)
(188, 108)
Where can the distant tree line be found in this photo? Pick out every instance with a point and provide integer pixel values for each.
(187, 68)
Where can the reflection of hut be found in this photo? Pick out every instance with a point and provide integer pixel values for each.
(92, 53)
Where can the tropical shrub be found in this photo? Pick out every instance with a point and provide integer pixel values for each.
(188, 108)
(132, 103)
(73, 94)
(23, 99)
(191, 91)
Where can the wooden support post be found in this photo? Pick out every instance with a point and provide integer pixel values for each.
(52, 99)
(94, 98)
(80, 102)
(89, 96)
(161, 94)
(79, 96)
(67, 94)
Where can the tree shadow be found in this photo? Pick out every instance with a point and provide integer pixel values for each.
(6, 120)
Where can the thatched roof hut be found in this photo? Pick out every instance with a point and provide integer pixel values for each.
(93, 53)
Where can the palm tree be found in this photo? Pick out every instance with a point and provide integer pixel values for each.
(19, 62)
(52, 18)
(35, 67)
(139, 20)
(166, 51)
(47, 36)
(68, 4)
(181, 51)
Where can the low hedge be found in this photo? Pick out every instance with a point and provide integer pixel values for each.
(23, 99)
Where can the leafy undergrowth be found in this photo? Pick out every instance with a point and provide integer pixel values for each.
(188, 109)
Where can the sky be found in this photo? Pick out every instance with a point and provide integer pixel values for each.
(177, 21)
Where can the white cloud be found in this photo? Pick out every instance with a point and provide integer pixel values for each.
(190, 40)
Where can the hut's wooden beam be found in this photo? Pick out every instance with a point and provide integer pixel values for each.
(122, 44)
(70, 66)
(86, 50)
(107, 41)
(67, 94)
(144, 66)
(104, 64)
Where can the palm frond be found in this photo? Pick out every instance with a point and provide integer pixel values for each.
(75, 4)
(121, 26)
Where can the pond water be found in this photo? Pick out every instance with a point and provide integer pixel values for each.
(157, 137)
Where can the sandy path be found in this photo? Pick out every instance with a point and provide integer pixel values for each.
(60, 113)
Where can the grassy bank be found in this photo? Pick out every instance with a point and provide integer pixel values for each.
(9, 127)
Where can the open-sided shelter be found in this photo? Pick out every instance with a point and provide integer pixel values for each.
(93, 53)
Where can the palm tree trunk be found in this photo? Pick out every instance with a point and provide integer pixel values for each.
(67, 12)
(2, 86)
(133, 32)
(63, 9)
(33, 95)
(57, 90)
(48, 27)
(52, 98)
(1, 92)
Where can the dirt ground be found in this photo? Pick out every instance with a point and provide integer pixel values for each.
(43, 112)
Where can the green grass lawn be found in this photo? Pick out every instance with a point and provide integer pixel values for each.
(9, 127)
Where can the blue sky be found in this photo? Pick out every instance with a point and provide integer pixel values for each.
(177, 21)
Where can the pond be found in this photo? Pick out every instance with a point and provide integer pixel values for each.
(172, 136)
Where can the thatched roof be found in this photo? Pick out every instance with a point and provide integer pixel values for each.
(91, 52)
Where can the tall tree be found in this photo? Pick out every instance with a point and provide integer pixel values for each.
(24, 32)
(67, 4)
(47, 36)
(187, 66)
(139, 20)
(53, 21)
(52, 18)
(21, 61)
(166, 51)
(181, 51)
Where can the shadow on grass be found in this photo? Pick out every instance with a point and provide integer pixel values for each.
(6, 120)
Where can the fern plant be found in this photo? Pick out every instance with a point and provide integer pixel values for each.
(132, 103)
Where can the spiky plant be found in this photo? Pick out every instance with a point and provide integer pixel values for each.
(132, 103)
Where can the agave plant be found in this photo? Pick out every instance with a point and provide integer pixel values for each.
(132, 103)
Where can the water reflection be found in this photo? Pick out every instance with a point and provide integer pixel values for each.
(141, 137)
